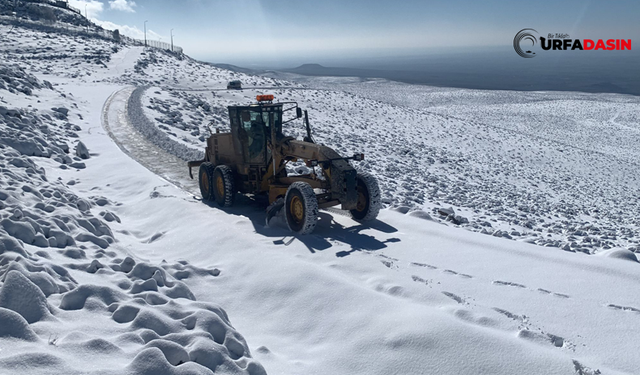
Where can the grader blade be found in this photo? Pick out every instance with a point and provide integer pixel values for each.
(274, 209)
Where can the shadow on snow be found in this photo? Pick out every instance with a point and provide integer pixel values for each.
(327, 232)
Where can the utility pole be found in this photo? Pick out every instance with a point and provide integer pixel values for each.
(171, 40)
(15, 14)
(145, 33)
(86, 16)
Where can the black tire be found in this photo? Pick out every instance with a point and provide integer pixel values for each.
(223, 185)
(369, 198)
(301, 208)
(205, 177)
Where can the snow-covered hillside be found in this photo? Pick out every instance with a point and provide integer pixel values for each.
(110, 263)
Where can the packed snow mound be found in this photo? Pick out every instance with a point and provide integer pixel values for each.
(620, 254)
(19, 294)
(14, 79)
(14, 325)
(139, 305)
(154, 308)
(37, 211)
(82, 151)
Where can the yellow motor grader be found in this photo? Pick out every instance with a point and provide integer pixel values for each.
(252, 159)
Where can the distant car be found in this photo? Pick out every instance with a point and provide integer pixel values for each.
(234, 85)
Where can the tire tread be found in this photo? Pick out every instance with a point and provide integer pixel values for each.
(229, 185)
(375, 196)
(310, 206)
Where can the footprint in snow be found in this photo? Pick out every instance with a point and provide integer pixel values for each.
(583, 370)
(419, 279)
(424, 265)
(155, 237)
(387, 257)
(508, 283)
(454, 297)
(559, 295)
(263, 350)
(510, 315)
(623, 308)
(388, 263)
(471, 317)
(464, 275)
(542, 338)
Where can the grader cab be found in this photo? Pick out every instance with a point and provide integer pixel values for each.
(252, 159)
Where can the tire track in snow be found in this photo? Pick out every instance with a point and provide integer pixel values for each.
(115, 121)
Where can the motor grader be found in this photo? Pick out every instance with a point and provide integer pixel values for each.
(252, 158)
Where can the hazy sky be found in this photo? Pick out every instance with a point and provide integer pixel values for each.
(237, 31)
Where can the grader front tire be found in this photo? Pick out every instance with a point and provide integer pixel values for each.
(369, 198)
(301, 208)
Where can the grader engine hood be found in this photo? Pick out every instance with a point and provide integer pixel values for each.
(343, 183)
(336, 168)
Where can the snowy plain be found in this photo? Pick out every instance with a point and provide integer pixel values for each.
(110, 263)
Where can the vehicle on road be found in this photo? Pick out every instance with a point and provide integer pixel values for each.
(234, 85)
(252, 159)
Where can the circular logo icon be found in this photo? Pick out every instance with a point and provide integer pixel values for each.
(524, 43)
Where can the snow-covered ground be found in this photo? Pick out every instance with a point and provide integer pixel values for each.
(110, 267)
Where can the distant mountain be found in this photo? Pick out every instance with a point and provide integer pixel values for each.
(239, 69)
(497, 71)
(457, 73)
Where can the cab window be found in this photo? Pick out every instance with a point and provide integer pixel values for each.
(253, 124)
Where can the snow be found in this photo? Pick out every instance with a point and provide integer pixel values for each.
(19, 294)
(15, 326)
(127, 271)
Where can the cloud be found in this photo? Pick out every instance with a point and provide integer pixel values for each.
(96, 7)
(123, 5)
(129, 31)
(93, 7)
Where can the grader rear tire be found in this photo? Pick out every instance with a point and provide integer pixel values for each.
(301, 208)
(223, 185)
(205, 177)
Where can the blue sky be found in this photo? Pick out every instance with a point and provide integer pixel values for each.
(238, 31)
